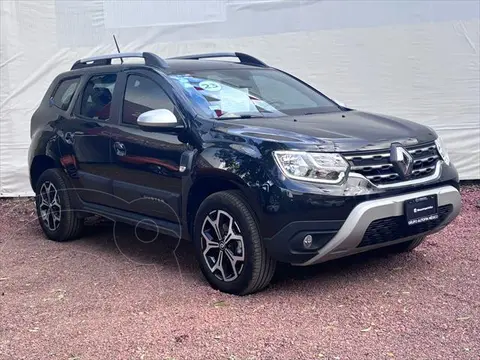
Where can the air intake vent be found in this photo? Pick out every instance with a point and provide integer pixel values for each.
(395, 228)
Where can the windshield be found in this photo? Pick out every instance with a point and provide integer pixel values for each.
(243, 93)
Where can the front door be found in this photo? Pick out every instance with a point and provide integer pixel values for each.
(88, 133)
(146, 179)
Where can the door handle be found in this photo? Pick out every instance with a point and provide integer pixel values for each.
(120, 149)
(69, 137)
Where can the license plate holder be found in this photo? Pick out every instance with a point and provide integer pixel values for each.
(421, 209)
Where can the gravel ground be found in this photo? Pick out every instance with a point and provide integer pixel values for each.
(106, 297)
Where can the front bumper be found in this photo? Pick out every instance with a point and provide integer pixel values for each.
(371, 224)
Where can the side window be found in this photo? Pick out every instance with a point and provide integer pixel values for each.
(64, 93)
(141, 95)
(97, 97)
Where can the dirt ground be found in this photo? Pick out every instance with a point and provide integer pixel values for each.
(110, 295)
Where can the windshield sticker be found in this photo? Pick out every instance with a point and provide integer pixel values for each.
(236, 101)
(223, 100)
(210, 85)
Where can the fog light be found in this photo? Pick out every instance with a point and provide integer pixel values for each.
(307, 241)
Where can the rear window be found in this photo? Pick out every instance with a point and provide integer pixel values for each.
(64, 93)
(97, 97)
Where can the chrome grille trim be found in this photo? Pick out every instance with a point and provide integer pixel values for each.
(387, 155)
(386, 166)
(377, 169)
(427, 148)
(422, 160)
(384, 176)
(434, 176)
(365, 157)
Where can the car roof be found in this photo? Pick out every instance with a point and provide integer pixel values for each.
(175, 65)
(180, 66)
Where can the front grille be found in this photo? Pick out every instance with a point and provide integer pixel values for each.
(377, 168)
(394, 228)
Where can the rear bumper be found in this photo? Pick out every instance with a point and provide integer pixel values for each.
(362, 230)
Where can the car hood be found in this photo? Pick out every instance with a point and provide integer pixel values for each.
(340, 131)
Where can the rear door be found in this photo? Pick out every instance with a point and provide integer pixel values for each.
(147, 177)
(88, 134)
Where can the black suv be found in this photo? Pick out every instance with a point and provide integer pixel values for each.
(250, 163)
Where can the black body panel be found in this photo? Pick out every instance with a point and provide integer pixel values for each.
(332, 132)
(146, 165)
(129, 174)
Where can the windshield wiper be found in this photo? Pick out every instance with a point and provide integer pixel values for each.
(319, 112)
(245, 116)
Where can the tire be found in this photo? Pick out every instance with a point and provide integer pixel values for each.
(409, 245)
(59, 221)
(244, 267)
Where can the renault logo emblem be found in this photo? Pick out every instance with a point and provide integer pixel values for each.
(401, 160)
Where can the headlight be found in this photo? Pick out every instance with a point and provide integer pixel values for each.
(442, 150)
(307, 166)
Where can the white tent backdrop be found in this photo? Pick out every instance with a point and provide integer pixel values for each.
(419, 60)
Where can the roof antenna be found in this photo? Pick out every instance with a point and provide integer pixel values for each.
(118, 49)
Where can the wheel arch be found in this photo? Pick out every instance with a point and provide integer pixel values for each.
(205, 185)
(40, 163)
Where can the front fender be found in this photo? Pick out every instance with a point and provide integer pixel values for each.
(240, 165)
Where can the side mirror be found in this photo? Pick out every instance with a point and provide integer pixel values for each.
(158, 119)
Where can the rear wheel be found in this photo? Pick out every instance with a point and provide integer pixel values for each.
(409, 245)
(228, 245)
(54, 207)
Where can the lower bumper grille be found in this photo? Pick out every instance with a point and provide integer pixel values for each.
(394, 228)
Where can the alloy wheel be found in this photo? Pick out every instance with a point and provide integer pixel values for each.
(222, 245)
(50, 208)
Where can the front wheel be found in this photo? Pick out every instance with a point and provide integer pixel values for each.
(228, 245)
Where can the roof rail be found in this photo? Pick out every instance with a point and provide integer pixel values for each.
(244, 58)
(150, 59)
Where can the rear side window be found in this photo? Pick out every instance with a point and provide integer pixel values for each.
(64, 93)
(141, 95)
(97, 97)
